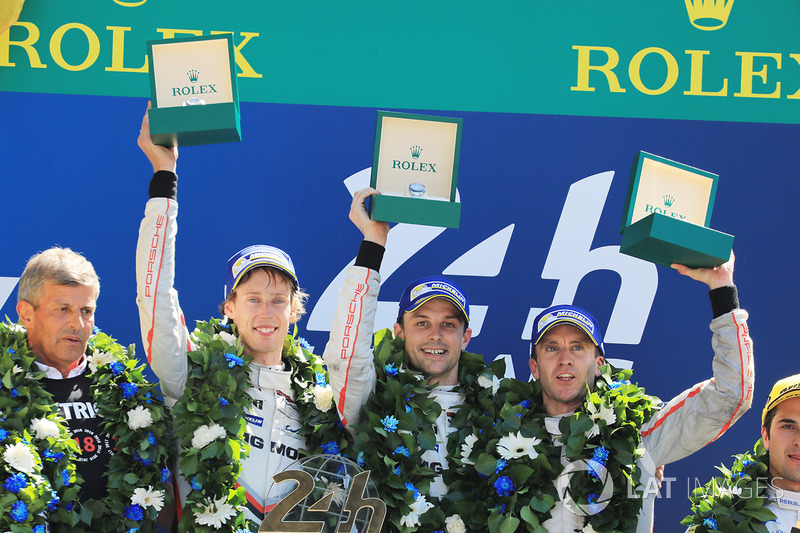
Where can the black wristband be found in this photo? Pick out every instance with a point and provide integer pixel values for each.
(724, 300)
(164, 185)
(370, 255)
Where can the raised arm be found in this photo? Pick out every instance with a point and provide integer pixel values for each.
(703, 413)
(348, 353)
(164, 332)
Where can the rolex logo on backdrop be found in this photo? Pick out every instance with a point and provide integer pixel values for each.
(416, 164)
(708, 15)
(195, 88)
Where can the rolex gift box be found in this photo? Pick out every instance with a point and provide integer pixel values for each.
(415, 168)
(193, 91)
(667, 213)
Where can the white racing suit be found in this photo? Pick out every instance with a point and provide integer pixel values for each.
(691, 420)
(786, 506)
(273, 424)
(348, 356)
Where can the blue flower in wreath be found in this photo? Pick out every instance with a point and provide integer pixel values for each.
(134, 512)
(746, 463)
(319, 379)
(710, 522)
(14, 392)
(391, 369)
(597, 464)
(242, 530)
(410, 486)
(408, 408)
(504, 486)
(195, 485)
(600, 454)
(51, 456)
(65, 477)
(594, 506)
(129, 390)
(501, 464)
(39, 529)
(137, 457)
(69, 506)
(116, 368)
(133, 530)
(11, 351)
(3, 434)
(501, 509)
(526, 404)
(52, 505)
(16, 483)
(360, 459)
(233, 360)
(151, 438)
(165, 475)
(390, 423)
(223, 402)
(331, 447)
(402, 450)
(96, 330)
(396, 470)
(148, 398)
(19, 511)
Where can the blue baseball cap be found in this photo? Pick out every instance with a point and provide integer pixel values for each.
(420, 291)
(567, 314)
(258, 255)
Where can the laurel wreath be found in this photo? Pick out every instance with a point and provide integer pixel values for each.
(402, 401)
(51, 487)
(736, 500)
(518, 493)
(217, 394)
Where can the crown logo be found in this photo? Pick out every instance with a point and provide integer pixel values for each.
(668, 200)
(415, 151)
(193, 75)
(708, 15)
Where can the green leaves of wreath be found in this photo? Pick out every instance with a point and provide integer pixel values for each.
(505, 465)
(734, 501)
(39, 483)
(209, 420)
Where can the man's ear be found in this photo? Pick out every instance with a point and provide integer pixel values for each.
(25, 312)
(230, 309)
(398, 330)
(765, 437)
(599, 361)
(467, 337)
(534, 368)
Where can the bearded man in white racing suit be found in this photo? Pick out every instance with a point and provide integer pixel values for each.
(263, 300)
(568, 350)
(433, 321)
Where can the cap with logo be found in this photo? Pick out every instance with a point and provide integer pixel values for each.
(420, 291)
(567, 314)
(783, 390)
(258, 255)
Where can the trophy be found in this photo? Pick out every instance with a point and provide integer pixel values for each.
(415, 168)
(193, 91)
(667, 213)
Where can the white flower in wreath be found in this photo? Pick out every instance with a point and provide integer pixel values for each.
(419, 507)
(339, 494)
(148, 497)
(229, 338)
(323, 397)
(16, 370)
(19, 457)
(99, 358)
(466, 449)
(206, 434)
(516, 446)
(485, 382)
(44, 429)
(599, 413)
(215, 513)
(454, 524)
(139, 417)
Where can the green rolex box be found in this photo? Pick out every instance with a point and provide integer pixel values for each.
(415, 168)
(667, 212)
(193, 90)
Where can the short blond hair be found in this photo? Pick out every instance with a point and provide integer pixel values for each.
(59, 266)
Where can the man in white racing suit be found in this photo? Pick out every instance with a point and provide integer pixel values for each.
(263, 300)
(567, 350)
(433, 320)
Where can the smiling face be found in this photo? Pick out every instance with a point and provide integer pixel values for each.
(262, 310)
(783, 442)
(59, 327)
(566, 363)
(435, 335)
